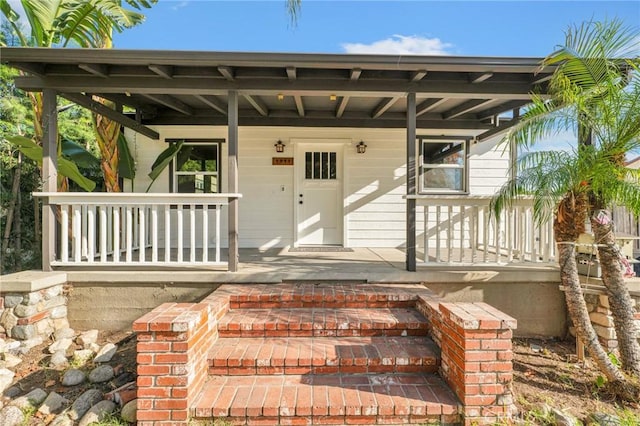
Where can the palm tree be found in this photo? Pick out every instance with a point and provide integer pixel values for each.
(65, 23)
(597, 92)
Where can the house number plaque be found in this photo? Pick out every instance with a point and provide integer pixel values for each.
(282, 161)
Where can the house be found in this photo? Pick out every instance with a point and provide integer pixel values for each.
(321, 151)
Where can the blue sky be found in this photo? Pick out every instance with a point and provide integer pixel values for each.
(475, 28)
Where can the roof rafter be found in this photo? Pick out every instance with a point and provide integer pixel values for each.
(213, 102)
(165, 71)
(258, 104)
(227, 73)
(464, 108)
(383, 106)
(428, 105)
(479, 77)
(418, 75)
(170, 102)
(354, 74)
(99, 70)
(98, 108)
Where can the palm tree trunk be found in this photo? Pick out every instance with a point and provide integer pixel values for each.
(107, 134)
(579, 314)
(617, 291)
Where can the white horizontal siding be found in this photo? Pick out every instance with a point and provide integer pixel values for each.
(374, 207)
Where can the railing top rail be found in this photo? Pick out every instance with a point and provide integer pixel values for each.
(463, 200)
(135, 198)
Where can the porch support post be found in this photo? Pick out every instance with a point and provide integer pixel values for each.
(49, 174)
(233, 179)
(411, 182)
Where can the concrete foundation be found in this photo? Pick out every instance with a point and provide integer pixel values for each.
(115, 306)
(539, 307)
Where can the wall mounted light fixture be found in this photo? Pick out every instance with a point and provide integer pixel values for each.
(361, 148)
(279, 146)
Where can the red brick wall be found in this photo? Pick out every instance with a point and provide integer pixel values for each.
(173, 342)
(475, 340)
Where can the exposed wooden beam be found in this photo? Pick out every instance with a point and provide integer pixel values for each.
(498, 130)
(98, 70)
(303, 87)
(479, 77)
(418, 75)
(541, 78)
(428, 105)
(31, 68)
(499, 109)
(226, 72)
(170, 102)
(165, 71)
(464, 108)
(383, 106)
(257, 103)
(291, 73)
(213, 102)
(114, 115)
(145, 108)
(354, 75)
(299, 105)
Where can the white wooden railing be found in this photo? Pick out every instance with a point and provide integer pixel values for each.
(138, 229)
(461, 229)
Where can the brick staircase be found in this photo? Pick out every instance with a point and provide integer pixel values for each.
(326, 353)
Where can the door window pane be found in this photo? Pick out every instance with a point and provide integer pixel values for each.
(320, 165)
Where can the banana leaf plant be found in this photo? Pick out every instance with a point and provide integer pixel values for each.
(163, 160)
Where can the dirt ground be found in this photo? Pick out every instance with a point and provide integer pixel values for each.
(546, 373)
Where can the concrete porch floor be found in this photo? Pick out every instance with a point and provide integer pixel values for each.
(362, 264)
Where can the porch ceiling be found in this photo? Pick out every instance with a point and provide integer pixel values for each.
(283, 89)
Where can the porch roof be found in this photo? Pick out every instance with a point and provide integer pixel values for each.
(288, 89)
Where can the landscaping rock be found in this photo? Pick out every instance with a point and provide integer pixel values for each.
(97, 413)
(8, 320)
(11, 416)
(563, 419)
(62, 420)
(106, 353)
(58, 312)
(73, 377)
(53, 404)
(12, 300)
(129, 412)
(52, 292)
(54, 302)
(12, 392)
(64, 333)
(32, 298)
(82, 356)
(23, 311)
(32, 399)
(101, 374)
(59, 359)
(23, 332)
(25, 345)
(87, 338)
(60, 346)
(12, 346)
(604, 419)
(6, 377)
(9, 360)
(84, 402)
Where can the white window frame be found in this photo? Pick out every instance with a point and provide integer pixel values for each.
(198, 142)
(464, 167)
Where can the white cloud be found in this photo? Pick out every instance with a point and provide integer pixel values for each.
(401, 45)
(180, 5)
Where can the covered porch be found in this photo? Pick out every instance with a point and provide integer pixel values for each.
(469, 100)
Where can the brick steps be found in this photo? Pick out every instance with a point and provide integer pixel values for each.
(309, 355)
(322, 322)
(327, 399)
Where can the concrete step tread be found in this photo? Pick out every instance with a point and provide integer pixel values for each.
(319, 320)
(300, 355)
(405, 396)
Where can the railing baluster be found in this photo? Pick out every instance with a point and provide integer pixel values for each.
(510, 234)
(76, 226)
(438, 242)
(180, 236)
(103, 234)
(485, 234)
(116, 234)
(167, 234)
(83, 231)
(142, 232)
(497, 229)
(449, 233)
(473, 232)
(425, 235)
(91, 233)
(205, 233)
(192, 233)
(64, 234)
(218, 210)
(134, 227)
(110, 228)
(154, 233)
(129, 234)
(462, 221)
(532, 236)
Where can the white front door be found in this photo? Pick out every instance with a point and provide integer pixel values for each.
(319, 196)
